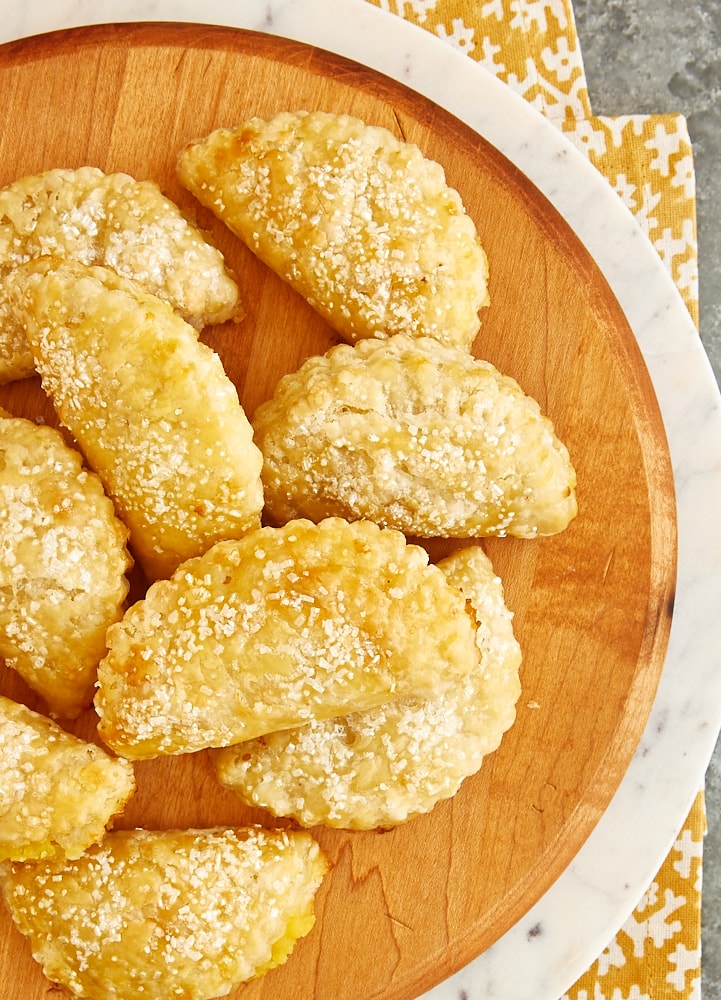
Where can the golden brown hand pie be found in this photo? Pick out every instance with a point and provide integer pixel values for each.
(417, 436)
(57, 793)
(110, 219)
(362, 225)
(384, 766)
(63, 560)
(284, 626)
(149, 405)
(173, 914)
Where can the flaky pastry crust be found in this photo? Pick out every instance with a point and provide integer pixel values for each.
(115, 220)
(168, 914)
(283, 626)
(359, 223)
(63, 565)
(57, 793)
(150, 406)
(385, 766)
(417, 436)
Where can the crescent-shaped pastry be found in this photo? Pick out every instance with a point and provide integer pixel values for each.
(150, 406)
(361, 224)
(281, 627)
(176, 913)
(63, 565)
(417, 436)
(382, 767)
(57, 793)
(111, 219)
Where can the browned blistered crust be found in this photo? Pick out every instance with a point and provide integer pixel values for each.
(414, 435)
(281, 627)
(188, 913)
(361, 224)
(150, 406)
(383, 767)
(57, 793)
(63, 566)
(115, 220)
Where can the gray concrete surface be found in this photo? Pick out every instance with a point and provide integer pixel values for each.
(645, 56)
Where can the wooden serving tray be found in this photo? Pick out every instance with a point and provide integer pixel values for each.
(401, 910)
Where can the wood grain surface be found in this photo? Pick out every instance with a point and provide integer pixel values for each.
(401, 910)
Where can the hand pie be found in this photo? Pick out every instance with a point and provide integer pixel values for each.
(149, 405)
(382, 767)
(284, 626)
(111, 219)
(361, 224)
(174, 914)
(63, 566)
(416, 436)
(57, 793)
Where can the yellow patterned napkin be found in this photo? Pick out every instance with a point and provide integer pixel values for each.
(532, 46)
(657, 953)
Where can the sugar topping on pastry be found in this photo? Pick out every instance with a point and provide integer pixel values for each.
(382, 767)
(177, 913)
(57, 792)
(276, 629)
(63, 565)
(150, 406)
(115, 220)
(361, 224)
(414, 435)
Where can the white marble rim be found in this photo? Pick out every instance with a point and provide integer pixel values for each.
(543, 954)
